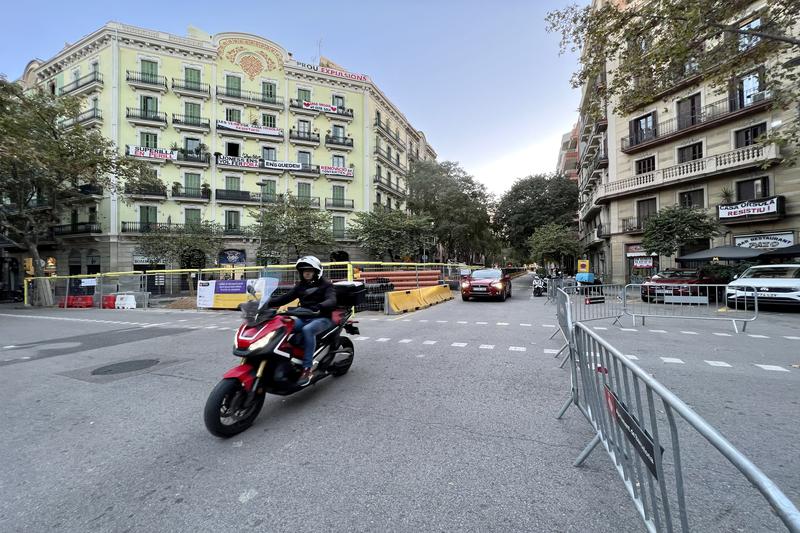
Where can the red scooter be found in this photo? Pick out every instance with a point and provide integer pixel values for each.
(271, 352)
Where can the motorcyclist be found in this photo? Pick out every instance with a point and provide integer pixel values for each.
(316, 294)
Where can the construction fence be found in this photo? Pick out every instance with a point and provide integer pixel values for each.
(658, 444)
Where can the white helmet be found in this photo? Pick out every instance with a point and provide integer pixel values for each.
(309, 262)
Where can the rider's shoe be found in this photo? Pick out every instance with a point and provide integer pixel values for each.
(305, 377)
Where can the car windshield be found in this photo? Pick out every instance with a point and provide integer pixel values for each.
(777, 271)
(486, 274)
(669, 274)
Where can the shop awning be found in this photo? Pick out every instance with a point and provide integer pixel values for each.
(785, 252)
(723, 253)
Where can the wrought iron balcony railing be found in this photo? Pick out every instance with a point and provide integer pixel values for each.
(83, 81)
(191, 86)
(145, 114)
(145, 78)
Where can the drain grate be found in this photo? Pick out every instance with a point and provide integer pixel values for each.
(125, 366)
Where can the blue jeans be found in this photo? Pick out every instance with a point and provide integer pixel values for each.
(310, 329)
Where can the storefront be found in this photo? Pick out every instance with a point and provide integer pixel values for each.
(640, 265)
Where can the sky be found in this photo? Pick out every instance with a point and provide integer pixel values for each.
(483, 80)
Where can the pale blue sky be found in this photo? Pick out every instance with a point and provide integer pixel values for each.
(482, 79)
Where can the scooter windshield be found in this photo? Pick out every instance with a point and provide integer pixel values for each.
(267, 286)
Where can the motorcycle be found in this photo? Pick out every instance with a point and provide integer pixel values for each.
(538, 286)
(270, 347)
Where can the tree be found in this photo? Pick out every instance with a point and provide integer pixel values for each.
(290, 228)
(676, 225)
(533, 202)
(458, 205)
(47, 160)
(553, 242)
(655, 44)
(391, 233)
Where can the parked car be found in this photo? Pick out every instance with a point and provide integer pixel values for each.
(487, 283)
(677, 282)
(774, 284)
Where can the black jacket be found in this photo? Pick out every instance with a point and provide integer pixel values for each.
(317, 295)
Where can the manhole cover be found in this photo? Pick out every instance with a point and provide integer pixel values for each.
(125, 366)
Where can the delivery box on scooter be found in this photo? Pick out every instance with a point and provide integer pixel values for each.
(349, 293)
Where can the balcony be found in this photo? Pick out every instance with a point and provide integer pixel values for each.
(146, 117)
(339, 204)
(191, 88)
(388, 186)
(339, 143)
(84, 85)
(601, 232)
(237, 196)
(254, 99)
(392, 136)
(343, 235)
(150, 227)
(306, 138)
(191, 123)
(708, 116)
(387, 158)
(306, 169)
(342, 113)
(192, 159)
(633, 225)
(157, 193)
(233, 231)
(749, 211)
(753, 156)
(589, 207)
(79, 228)
(251, 164)
(307, 201)
(191, 194)
(302, 107)
(254, 131)
(144, 80)
(87, 119)
(90, 189)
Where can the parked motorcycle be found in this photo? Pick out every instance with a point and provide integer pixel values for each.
(270, 347)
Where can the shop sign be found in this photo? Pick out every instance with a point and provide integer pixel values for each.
(246, 128)
(766, 241)
(152, 153)
(282, 165)
(749, 208)
(333, 72)
(634, 250)
(642, 262)
(144, 260)
(230, 257)
(336, 171)
(319, 106)
(231, 161)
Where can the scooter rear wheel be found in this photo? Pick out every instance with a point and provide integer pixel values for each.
(220, 420)
(341, 367)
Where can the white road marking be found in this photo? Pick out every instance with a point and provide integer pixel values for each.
(722, 334)
(631, 357)
(502, 323)
(718, 363)
(421, 355)
(486, 346)
(183, 320)
(383, 339)
(211, 327)
(657, 331)
(548, 325)
(225, 329)
(526, 325)
(406, 320)
(442, 321)
(423, 320)
(237, 444)
(758, 336)
(672, 360)
(628, 329)
(404, 341)
(247, 495)
(459, 344)
(689, 332)
(25, 358)
(9, 347)
(482, 323)
(791, 338)
(517, 348)
(361, 338)
(463, 322)
(374, 319)
(429, 342)
(599, 327)
(773, 368)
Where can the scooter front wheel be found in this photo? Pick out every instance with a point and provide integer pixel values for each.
(225, 414)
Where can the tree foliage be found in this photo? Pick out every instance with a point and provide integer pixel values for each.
(186, 246)
(392, 233)
(291, 228)
(553, 242)
(676, 225)
(533, 202)
(458, 205)
(653, 45)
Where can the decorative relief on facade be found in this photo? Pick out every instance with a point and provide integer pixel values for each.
(248, 54)
(251, 65)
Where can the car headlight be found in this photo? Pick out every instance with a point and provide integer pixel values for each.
(497, 284)
(465, 284)
(260, 343)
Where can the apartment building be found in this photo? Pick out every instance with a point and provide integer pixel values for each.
(568, 155)
(229, 122)
(692, 145)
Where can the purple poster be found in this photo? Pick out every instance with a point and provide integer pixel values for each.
(230, 286)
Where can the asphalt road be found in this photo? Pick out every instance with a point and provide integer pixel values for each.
(444, 423)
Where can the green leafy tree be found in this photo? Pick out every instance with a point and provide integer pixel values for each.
(553, 242)
(391, 233)
(531, 203)
(653, 45)
(676, 225)
(291, 228)
(47, 160)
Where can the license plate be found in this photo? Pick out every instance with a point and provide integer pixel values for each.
(767, 295)
(478, 289)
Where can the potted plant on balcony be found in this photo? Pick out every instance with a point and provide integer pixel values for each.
(200, 149)
(726, 194)
(205, 190)
(176, 188)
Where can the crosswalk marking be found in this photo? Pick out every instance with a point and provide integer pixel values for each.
(459, 344)
(486, 347)
(526, 325)
(404, 341)
(600, 327)
(548, 350)
(441, 321)
(463, 322)
(429, 342)
(791, 338)
(773, 368)
(423, 320)
(383, 339)
(502, 323)
(361, 338)
(628, 329)
(718, 334)
(548, 325)
(657, 331)
(758, 336)
(674, 360)
(718, 363)
(631, 357)
(517, 348)
(483, 323)
(689, 332)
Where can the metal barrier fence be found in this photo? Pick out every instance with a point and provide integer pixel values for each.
(704, 302)
(640, 424)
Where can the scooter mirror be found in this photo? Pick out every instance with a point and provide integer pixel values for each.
(251, 290)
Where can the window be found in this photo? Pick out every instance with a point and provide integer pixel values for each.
(269, 153)
(304, 95)
(748, 136)
(95, 67)
(93, 215)
(747, 90)
(688, 111)
(644, 210)
(378, 198)
(192, 111)
(192, 216)
(378, 171)
(231, 220)
(147, 215)
(149, 71)
(268, 90)
(690, 152)
(148, 105)
(95, 103)
(76, 74)
(338, 131)
(338, 160)
(148, 140)
(303, 128)
(643, 128)
(693, 198)
(52, 86)
(304, 158)
(338, 101)
(232, 183)
(268, 190)
(191, 145)
(378, 117)
(748, 41)
(233, 85)
(233, 115)
(268, 121)
(388, 151)
(752, 189)
(191, 78)
(337, 191)
(397, 204)
(648, 164)
(304, 190)
(191, 182)
(232, 149)
(338, 227)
